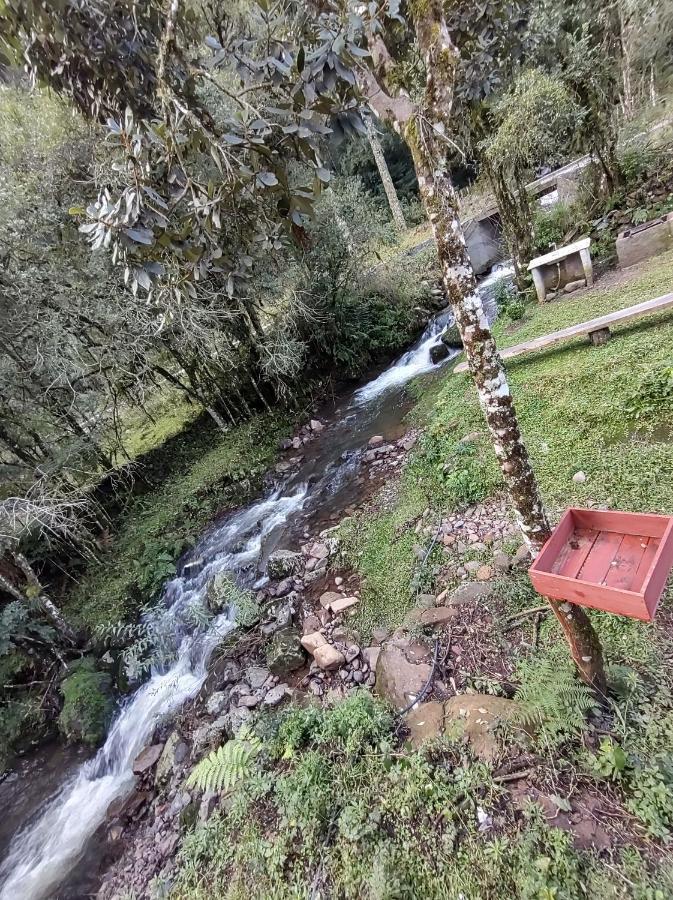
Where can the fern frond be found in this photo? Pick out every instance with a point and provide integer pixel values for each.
(228, 765)
(551, 698)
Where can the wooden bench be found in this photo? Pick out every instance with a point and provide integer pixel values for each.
(597, 329)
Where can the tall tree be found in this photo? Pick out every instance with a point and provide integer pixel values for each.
(384, 172)
(427, 128)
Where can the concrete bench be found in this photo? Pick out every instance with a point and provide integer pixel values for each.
(597, 329)
(562, 268)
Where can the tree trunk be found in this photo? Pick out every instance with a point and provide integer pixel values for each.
(36, 592)
(517, 221)
(426, 135)
(384, 172)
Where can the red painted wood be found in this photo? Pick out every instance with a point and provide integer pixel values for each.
(558, 538)
(647, 524)
(574, 552)
(645, 563)
(597, 563)
(623, 568)
(616, 573)
(655, 580)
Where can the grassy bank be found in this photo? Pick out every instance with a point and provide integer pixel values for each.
(194, 475)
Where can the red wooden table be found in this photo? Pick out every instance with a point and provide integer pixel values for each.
(615, 561)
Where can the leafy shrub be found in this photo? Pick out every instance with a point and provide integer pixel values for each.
(636, 159)
(510, 303)
(87, 704)
(16, 625)
(551, 699)
(346, 308)
(650, 796)
(552, 223)
(463, 475)
(359, 722)
(654, 394)
(20, 720)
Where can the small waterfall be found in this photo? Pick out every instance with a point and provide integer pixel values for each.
(418, 360)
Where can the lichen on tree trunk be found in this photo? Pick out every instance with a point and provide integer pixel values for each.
(426, 134)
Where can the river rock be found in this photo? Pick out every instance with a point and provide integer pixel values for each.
(285, 653)
(217, 703)
(173, 755)
(310, 642)
(276, 695)
(402, 670)
(319, 551)
(502, 563)
(236, 718)
(283, 563)
(218, 592)
(470, 592)
(211, 732)
(128, 807)
(342, 604)
(316, 426)
(452, 338)
(284, 587)
(311, 624)
(376, 441)
(379, 635)
(371, 656)
(328, 598)
(440, 615)
(522, 557)
(328, 657)
(256, 676)
(147, 758)
(438, 352)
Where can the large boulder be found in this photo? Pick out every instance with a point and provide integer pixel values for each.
(218, 592)
(438, 352)
(285, 653)
(147, 758)
(283, 563)
(172, 756)
(452, 338)
(402, 670)
(473, 716)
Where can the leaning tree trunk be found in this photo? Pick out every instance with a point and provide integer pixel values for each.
(384, 172)
(427, 137)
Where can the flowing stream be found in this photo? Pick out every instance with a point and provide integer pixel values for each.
(55, 837)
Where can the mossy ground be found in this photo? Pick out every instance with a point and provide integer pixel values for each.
(195, 475)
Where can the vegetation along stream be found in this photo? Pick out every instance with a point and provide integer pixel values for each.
(50, 843)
